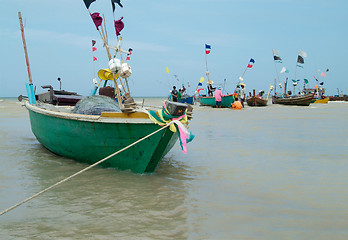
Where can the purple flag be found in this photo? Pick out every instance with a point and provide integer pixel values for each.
(97, 19)
(119, 25)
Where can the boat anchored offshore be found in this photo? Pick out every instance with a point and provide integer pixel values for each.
(111, 127)
(209, 99)
(301, 100)
(288, 97)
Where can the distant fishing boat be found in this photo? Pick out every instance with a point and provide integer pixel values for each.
(258, 100)
(287, 98)
(208, 99)
(302, 100)
(226, 101)
(318, 93)
(188, 99)
(338, 98)
(98, 127)
(58, 97)
(255, 101)
(323, 100)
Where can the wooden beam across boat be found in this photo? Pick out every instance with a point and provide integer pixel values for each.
(124, 115)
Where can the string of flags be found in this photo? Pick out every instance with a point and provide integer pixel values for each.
(94, 49)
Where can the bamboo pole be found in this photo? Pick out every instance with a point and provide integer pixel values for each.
(296, 70)
(275, 66)
(25, 48)
(119, 39)
(106, 33)
(206, 66)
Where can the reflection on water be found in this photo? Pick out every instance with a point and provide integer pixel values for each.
(261, 173)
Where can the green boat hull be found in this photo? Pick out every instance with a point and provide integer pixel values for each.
(89, 140)
(226, 101)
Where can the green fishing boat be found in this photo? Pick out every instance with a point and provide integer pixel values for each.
(108, 129)
(226, 101)
(90, 138)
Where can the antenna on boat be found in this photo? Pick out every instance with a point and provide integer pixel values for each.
(60, 83)
(30, 88)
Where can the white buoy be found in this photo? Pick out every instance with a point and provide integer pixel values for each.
(115, 65)
(126, 71)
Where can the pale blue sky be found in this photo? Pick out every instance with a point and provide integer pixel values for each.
(172, 34)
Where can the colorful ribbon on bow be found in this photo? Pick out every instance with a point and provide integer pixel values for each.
(162, 117)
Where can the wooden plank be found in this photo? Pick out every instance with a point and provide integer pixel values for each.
(124, 115)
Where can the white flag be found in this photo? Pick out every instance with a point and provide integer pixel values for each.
(302, 53)
(283, 70)
(275, 52)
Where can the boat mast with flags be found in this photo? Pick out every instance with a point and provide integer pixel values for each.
(118, 68)
(285, 98)
(207, 51)
(299, 64)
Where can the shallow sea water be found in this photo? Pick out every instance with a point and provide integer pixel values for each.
(279, 172)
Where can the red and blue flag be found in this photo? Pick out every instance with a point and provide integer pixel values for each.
(207, 48)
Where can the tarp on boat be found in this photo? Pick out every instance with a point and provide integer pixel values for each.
(95, 105)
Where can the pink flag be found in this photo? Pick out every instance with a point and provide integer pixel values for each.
(119, 25)
(94, 59)
(323, 74)
(94, 49)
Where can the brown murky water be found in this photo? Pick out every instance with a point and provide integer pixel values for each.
(261, 173)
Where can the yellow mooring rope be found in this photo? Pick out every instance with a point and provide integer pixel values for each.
(85, 169)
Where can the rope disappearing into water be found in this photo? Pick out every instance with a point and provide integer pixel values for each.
(85, 169)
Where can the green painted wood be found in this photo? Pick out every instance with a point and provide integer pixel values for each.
(226, 101)
(89, 142)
